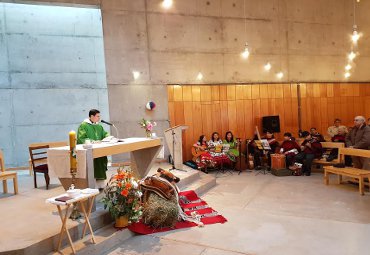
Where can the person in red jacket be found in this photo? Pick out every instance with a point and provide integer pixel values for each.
(310, 149)
(290, 148)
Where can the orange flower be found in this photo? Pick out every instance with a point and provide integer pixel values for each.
(119, 184)
(124, 192)
(128, 185)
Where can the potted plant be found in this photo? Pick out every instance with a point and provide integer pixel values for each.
(122, 198)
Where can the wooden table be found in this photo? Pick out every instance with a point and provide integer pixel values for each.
(86, 195)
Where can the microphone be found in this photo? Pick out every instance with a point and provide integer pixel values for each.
(106, 122)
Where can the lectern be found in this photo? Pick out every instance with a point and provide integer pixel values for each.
(174, 141)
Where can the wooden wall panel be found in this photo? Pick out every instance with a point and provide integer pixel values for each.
(239, 108)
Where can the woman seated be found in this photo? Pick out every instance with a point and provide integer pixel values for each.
(290, 149)
(215, 145)
(230, 146)
(201, 155)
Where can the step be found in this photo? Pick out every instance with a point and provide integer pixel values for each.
(203, 184)
(106, 238)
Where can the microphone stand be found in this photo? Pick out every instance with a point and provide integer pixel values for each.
(116, 131)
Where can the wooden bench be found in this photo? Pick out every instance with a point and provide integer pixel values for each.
(352, 172)
(330, 145)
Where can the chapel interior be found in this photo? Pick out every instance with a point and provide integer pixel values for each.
(255, 115)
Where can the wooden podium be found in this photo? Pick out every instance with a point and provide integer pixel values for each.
(174, 141)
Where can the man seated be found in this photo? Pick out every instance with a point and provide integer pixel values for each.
(290, 149)
(258, 153)
(333, 130)
(315, 134)
(340, 137)
(310, 149)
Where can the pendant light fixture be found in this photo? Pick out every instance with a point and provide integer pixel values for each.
(245, 54)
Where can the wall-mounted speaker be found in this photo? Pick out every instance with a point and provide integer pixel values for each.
(271, 123)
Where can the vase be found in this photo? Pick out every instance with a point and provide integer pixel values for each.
(121, 221)
(148, 134)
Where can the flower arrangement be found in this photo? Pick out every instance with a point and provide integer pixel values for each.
(122, 196)
(148, 126)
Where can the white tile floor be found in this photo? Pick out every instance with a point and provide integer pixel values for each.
(271, 215)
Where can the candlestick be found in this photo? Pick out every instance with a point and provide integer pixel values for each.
(72, 149)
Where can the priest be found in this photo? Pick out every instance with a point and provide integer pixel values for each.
(92, 130)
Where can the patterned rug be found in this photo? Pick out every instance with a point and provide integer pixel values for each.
(189, 202)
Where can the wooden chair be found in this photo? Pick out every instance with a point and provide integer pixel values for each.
(4, 176)
(51, 145)
(38, 159)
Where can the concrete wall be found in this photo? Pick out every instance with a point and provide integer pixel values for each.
(307, 39)
(52, 72)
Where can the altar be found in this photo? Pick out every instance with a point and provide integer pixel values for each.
(143, 152)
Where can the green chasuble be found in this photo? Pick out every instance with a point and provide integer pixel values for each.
(96, 132)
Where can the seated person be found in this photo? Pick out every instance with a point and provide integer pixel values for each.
(333, 130)
(290, 148)
(340, 137)
(215, 143)
(216, 150)
(256, 152)
(274, 145)
(233, 151)
(317, 135)
(201, 155)
(310, 149)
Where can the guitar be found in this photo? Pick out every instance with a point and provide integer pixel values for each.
(197, 152)
(249, 158)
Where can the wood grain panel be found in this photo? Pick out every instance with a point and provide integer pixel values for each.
(223, 92)
(224, 117)
(231, 112)
(240, 115)
(247, 91)
(255, 91)
(263, 91)
(239, 108)
(215, 93)
(189, 133)
(195, 91)
(239, 92)
(279, 91)
(177, 93)
(170, 93)
(187, 94)
(206, 119)
(205, 93)
(216, 117)
(230, 92)
(197, 121)
(248, 118)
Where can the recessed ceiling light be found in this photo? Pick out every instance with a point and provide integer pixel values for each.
(136, 74)
(167, 4)
(267, 67)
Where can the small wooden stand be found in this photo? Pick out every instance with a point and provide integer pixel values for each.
(64, 217)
